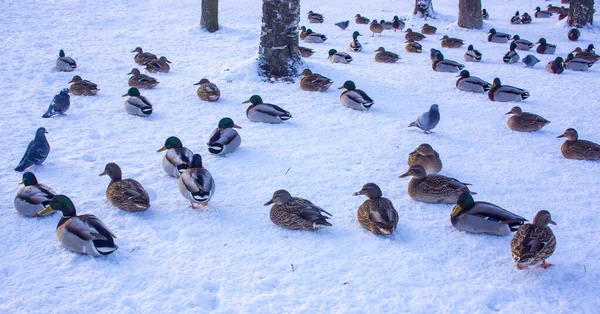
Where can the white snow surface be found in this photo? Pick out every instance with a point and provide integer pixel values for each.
(229, 257)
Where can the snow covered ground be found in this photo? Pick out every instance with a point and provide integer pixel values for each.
(229, 257)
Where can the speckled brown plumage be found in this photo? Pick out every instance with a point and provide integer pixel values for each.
(377, 214)
(525, 121)
(207, 91)
(82, 87)
(314, 82)
(449, 42)
(296, 213)
(534, 242)
(127, 194)
(574, 148)
(434, 188)
(427, 157)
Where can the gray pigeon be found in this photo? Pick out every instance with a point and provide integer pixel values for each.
(434, 52)
(36, 152)
(343, 25)
(428, 120)
(60, 104)
(530, 61)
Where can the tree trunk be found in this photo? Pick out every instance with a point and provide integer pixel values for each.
(279, 53)
(424, 7)
(581, 12)
(469, 14)
(209, 19)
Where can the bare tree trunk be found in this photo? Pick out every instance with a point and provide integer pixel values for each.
(209, 19)
(469, 14)
(279, 53)
(425, 7)
(581, 12)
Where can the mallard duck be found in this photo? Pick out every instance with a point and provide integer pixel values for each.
(544, 47)
(472, 55)
(526, 18)
(577, 64)
(82, 87)
(484, 14)
(530, 61)
(483, 217)
(312, 37)
(361, 19)
(158, 66)
(207, 91)
(434, 52)
(37, 151)
(397, 24)
(412, 46)
(314, 82)
(262, 112)
(428, 119)
(525, 121)
(377, 214)
(585, 54)
(355, 98)
(555, 66)
(64, 63)
(428, 29)
(140, 80)
(224, 139)
(296, 213)
(306, 52)
(497, 37)
(196, 183)
(177, 159)
(534, 242)
(504, 93)
(343, 25)
(83, 234)
(384, 56)
(574, 148)
(563, 13)
(522, 44)
(59, 104)
(33, 197)
(126, 194)
(142, 57)
(434, 188)
(315, 17)
(541, 14)
(303, 32)
(375, 27)
(511, 56)
(427, 157)
(442, 65)
(590, 49)
(469, 83)
(339, 57)
(516, 19)
(552, 9)
(574, 34)
(413, 35)
(137, 104)
(387, 25)
(355, 45)
(449, 42)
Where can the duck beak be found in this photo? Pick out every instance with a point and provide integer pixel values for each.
(168, 61)
(45, 210)
(458, 75)
(552, 222)
(196, 83)
(125, 95)
(161, 149)
(129, 73)
(341, 87)
(133, 50)
(509, 112)
(71, 81)
(412, 153)
(235, 126)
(21, 182)
(404, 175)
(246, 101)
(563, 135)
(357, 193)
(269, 202)
(103, 173)
(456, 211)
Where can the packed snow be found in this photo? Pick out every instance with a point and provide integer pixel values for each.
(229, 257)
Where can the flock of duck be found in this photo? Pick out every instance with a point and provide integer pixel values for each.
(532, 243)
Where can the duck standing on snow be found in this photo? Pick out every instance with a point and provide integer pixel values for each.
(83, 234)
(577, 64)
(541, 14)
(545, 47)
(516, 19)
(497, 37)
(427, 120)
(484, 14)
(361, 19)
(534, 242)
(296, 213)
(64, 63)
(525, 121)
(142, 57)
(343, 25)
(522, 44)
(412, 46)
(33, 197)
(314, 82)
(511, 56)
(37, 151)
(177, 159)
(126, 194)
(355, 98)
(377, 214)
(504, 93)
(574, 34)
(262, 112)
(315, 17)
(384, 56)
(427, 157)
(312, 37)
(435, 188)
(397, 24)
(140, 80)
(574, 148)
(530, 61)
(469, 83)
(158, 66)
(556, 66)
(224, 139)
(472, 55)
(483, 217)
(207, 91)
(450, 42)
(413, 35)
(441, 65)
(196, 183)
(526, 18)
(82, 87)
(339, 57)
(355, 45)
(137, 104)
(375, 27)
(59, 104)
(306, 52)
